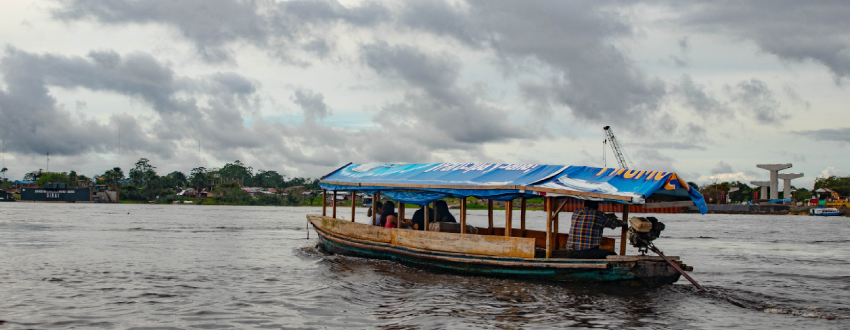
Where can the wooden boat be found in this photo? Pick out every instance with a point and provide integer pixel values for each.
(492, 251)
(824, 212)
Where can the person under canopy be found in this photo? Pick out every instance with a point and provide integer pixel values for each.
(376, 216)
(419, 217)
(390, 219)
(443, 214)
(586, 231)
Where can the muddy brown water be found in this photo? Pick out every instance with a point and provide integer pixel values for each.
(214, 267)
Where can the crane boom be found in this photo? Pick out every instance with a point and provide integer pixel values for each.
(615, 146)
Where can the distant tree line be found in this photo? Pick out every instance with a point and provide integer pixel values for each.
(142, 183)
(224, 183)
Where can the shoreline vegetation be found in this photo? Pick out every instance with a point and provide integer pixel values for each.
(239, 184)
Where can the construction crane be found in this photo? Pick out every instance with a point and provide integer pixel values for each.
(622, 158)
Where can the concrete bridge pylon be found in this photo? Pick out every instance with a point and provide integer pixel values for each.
(786, 182)
(763, 185)
(774, 180)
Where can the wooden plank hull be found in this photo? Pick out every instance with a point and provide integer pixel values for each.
(622, 271)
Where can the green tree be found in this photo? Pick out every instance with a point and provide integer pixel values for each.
(268, 179)
(199, 178)
(269, 199)
(801, 194)
(141, 172)
(840, 185)
(693, 185)
(53, 177)
(143, 176)
(112, 177)
(743, 194)
(33, 176)
(231, 193)
(236, 172)
(177, 179)
(72, 178)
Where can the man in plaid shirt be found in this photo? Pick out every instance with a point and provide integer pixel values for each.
(586, 230)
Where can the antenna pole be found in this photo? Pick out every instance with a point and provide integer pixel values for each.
(604, 154)
(48, 162)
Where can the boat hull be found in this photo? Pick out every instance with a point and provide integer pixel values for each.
(824, 212)
(630, 272)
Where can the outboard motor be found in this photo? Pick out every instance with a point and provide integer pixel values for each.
(642, 231)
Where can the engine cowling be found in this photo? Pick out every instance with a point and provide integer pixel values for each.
(643, 230)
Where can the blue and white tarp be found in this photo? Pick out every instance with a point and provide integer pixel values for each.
(636, 184)
(516, 177)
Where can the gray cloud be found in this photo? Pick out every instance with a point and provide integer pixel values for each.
(215, 25)
(434, 100)
(684, 44)
(654, 160)
(793, 31)
(695, 98)
(795, 97)
(681, 60)
(755, 99)
(670, 145)
(721, 168)
(313, 105)
(827, 134)
(210, 24)
(593, 79)
(35, 123)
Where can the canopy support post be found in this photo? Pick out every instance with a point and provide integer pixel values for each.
(401, 212)
(427, 217)
(434, 207)
(334, 206)
(555, 232)
(490, 216)
(548, 227)
(625, 231)
(522, 216)
(374, 210)
(324, 202)
(463, 215)
(353, 196)
(509, 205)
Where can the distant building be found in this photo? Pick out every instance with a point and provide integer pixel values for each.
(57, 192)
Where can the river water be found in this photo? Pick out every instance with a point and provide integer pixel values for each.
(117, 266)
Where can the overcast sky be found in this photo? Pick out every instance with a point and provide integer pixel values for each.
(303, 87)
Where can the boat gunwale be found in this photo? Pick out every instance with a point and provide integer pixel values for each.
(473, 259)
(616, 259)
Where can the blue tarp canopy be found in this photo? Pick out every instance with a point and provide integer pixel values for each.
(424, 183)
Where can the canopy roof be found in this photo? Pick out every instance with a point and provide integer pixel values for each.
(424, 183)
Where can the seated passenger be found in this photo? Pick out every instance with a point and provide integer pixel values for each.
(443, 214)
(419, 217)
(390, 218)
(376, 216)
(587, 224)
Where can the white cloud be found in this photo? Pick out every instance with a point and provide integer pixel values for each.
(831, 171)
